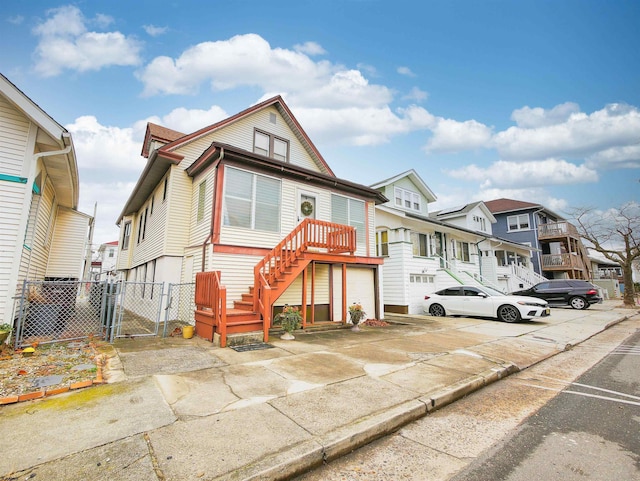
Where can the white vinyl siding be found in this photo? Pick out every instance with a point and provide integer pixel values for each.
(68, 244)
(14, 138)
(322, 289)
(240, 135)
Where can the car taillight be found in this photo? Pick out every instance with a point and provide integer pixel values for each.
(426, 298)
(592, 292)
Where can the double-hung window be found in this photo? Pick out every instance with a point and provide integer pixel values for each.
(270, 146)
(420, 243)
(462, 251)
(406, 199)
(348, 211)
(382, 243)
(126, 235)
(202, 190)
(518, 222)
(251, 201)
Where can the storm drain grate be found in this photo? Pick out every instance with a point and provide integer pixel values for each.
(252, 347)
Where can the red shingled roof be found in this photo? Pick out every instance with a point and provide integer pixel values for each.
(158, 132)
(507, 205)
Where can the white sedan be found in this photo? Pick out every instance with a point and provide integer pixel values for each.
(483, 302)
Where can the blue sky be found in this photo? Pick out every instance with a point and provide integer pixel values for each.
(531, 100)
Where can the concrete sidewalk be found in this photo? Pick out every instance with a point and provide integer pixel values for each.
(182, 409)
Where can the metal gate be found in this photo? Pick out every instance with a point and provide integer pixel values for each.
(52, 311)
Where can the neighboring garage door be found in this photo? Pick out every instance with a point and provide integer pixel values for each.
(419, 285)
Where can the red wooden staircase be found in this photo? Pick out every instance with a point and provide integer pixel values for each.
(272, 276)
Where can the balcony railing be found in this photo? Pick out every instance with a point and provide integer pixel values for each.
(557, 229)
(561, 262)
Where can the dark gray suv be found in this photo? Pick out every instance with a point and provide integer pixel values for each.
(564, 292)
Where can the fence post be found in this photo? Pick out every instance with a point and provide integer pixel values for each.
(167, 309)
(17, 338)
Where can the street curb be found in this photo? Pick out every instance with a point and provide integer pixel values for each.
(311, 454)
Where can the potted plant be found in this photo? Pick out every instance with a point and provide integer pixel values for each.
(5, 330)
(290, 320)
(356, 314)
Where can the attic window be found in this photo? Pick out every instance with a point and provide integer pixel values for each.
(272, 118)
(406, 199)
(270, 146)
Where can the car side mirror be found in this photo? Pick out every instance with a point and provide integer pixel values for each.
(482, 294)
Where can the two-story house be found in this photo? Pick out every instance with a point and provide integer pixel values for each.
(424, 252)
(561, 253)
(251, 199)
(104, 263)
(43, 235)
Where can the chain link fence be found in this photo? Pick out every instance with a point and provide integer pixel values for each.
(51, 311)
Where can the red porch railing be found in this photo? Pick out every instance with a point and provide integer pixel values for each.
(211, 306)
(334, 238)
(277, 265)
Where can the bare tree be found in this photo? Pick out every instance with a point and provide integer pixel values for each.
(615, 234)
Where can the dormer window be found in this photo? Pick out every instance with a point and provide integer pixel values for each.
(406, 199)
(270, 146)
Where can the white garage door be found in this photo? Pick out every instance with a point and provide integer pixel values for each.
(419, 285)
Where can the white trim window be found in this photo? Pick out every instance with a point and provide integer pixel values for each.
(251, 201)
(421, 278)
(351, 212)
(463, 251)
(518, 222)
(270, 146)
(420, 244)
(406, 199)
(202, 190)
(382, 243)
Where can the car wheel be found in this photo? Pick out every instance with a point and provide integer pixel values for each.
(436, 310)
(508, 313)
(578, 303)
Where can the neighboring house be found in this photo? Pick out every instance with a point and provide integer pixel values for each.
(561, 251)
(222, 198)
(44, 237)
(104, 264)
(426, 252)
(606, 274)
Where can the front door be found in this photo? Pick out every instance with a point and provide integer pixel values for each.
(440, 247)
(306, 207)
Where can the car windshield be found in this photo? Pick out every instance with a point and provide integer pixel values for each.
(491, 292)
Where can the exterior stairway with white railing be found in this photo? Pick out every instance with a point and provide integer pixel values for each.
(521, 276)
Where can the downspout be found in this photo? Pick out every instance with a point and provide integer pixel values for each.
(45, 177)
(213, 214)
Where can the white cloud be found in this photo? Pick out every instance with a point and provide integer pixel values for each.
(310, 48)
(65, 43)
(249, 60)
(16, 20)
(503, 174)
(416, 95)
(405, 71)
(106, 148)
(155, 31)
(190, 120)
(580, 135)
(361, 126)
(453, 136)
(625, 157)
(528, 118)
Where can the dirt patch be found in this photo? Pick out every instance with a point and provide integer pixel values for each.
(51, 367)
